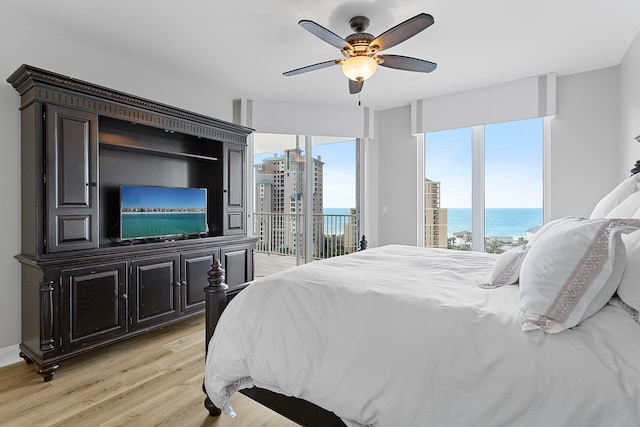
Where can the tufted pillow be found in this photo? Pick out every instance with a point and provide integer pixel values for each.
(615, 196)
(571, 271)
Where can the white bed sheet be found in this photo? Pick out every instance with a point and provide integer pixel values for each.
(403, 336)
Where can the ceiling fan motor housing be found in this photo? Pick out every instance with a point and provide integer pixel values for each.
(359, 23)
(360, 43)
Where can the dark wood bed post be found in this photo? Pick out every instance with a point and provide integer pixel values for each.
(363, 244)
(215, 301)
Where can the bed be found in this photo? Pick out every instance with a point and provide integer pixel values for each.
(544, 334)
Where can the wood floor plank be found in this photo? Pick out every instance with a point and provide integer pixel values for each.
(151, 380)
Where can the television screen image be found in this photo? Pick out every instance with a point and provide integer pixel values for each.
(148, 211)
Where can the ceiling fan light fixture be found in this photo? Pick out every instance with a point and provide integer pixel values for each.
(359, 67)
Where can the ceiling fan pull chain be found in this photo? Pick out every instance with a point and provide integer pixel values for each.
(359, 103)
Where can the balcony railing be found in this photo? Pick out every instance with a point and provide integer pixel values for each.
(333, 235)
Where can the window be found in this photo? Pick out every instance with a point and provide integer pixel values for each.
(484, 185)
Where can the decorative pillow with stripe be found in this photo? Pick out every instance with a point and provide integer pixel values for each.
(571, 271)
(506, 270)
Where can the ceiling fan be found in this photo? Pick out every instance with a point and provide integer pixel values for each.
(360, 50)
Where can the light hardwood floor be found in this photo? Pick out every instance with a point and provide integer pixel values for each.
(151, 380)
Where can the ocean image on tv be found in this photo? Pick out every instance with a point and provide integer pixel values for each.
(148, 211)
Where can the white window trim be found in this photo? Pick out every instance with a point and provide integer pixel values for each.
(420, 139)
(477, 188)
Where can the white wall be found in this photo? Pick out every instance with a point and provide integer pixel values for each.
(26, 45)
(630, 108)
(585, 142)
(397, 178)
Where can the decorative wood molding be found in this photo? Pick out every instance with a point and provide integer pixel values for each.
(35, 84)
(46, 316)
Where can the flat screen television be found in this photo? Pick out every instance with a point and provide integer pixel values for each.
(154, 212)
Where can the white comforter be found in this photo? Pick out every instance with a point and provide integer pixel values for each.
(403, 336)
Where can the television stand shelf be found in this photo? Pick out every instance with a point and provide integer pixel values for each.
(81, 287)
(151, 151)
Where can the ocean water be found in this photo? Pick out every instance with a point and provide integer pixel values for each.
(140, 225)
(498, 222)
(335, 225)
(336, 211)
(511, 222)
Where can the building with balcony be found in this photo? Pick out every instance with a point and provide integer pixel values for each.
(281, 189)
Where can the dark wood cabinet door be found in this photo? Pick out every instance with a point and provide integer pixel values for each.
(94, 304)
(237, 261)
(154, 283)
(71, 179)
(234, 190)
(194, 268)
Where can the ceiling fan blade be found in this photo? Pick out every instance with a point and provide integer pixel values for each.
(324, 34)
(403, 31)
(355, 86)
(407, 63)
(313, 67)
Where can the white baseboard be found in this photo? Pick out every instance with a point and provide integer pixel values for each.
(10, 355)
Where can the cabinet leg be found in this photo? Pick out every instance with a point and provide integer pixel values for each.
(48, 371)
(214, 411)
(26, 358)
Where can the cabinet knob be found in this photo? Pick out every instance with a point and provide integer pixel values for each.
(125, 296)
(184, 283)
(178, 284)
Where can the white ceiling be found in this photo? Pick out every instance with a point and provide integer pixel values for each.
(241, 48)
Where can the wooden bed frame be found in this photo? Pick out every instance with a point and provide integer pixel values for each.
(217, 296)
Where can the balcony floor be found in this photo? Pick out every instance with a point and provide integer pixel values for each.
(266, 264)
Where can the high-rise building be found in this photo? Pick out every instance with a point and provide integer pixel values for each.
(280, 189)
(350, 238)
(435, 217)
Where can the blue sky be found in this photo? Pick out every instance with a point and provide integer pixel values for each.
(162, 197)
(513, 165)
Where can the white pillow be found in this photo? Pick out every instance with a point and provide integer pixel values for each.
(629, 288)
(506, 269)
(615, 196)
(543, 229)
(571, 271)
(628, 208)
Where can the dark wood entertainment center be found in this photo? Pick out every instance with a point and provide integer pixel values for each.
(82, 287)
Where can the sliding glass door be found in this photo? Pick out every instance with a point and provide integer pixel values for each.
(304, 199)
